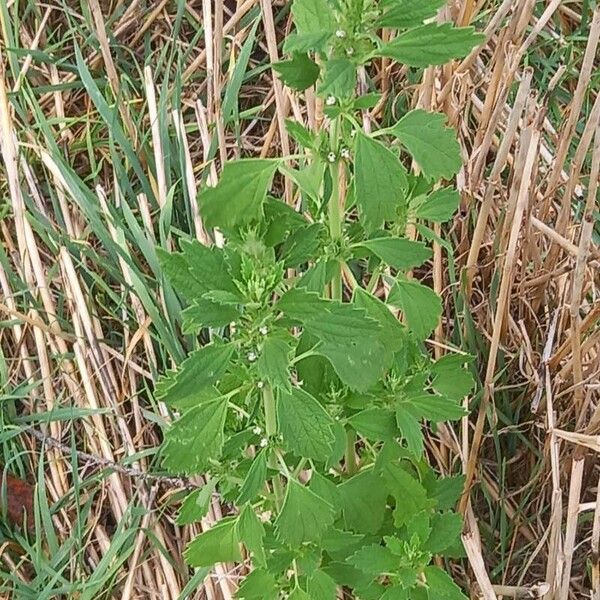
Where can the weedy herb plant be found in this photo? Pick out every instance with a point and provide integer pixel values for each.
(305, 403)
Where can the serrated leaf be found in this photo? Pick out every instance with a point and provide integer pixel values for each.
(435, 408)
(326, 489)
(339, 78)
(195, 506)
(321, 586)
(446, 490)
(439, 206)
(408, 13)
(206, 313)
(452, 378)
(298, 73)
(273, 363)
(363, 502)
(304, 136)
(219, 544)
(410, 428)
(441, 586)
(313, 16)
(433, 145)
(255, 479)
(251, 532)
(421, 306)
(258, 585)
(375, 424)
(301, 245)
(200, 429)
(431, 44)
(305, 42)
(445, 530)
(238, 197)
(374, 559)
(199, 371)
(398, 252)
(305, 425)
(380, 182)
(304, 516)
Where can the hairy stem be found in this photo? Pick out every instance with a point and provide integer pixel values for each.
(271, 431)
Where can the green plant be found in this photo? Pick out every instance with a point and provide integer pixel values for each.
(304, 405)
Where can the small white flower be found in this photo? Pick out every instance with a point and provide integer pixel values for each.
(290, 573)
(331, 157)
(264, 442)
(252, 356)
(330, 101)
(345, 153)
(263, 330)
(265, 516)
(340, 33)
(349, 51)
(260, 385)
(257, 430)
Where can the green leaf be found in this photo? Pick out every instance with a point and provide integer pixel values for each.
(273, 363)
(298, 73)
(195, 438)
(433, 145)
(304, 516)
(411, 496)
(436, 408)
(396, 593)
(313, 16)
(306, 42)
(299, 594)
(252, 532)
(421, 306)
(439, 206)
(218, 544)
(255, 479)
(431, 44)
(195, 506)
(410, 428)
(375, 424)
(380, 182)
(203, 368)
(398, 252)
(301, 245)
(339, 79)
(446, 490)
(445, 530)
(452, 379)
(325, 489)
(363, 502)
(238, 197)
(321, 586)
(305, 425)
(206, 313)
(258, 585)
(441, 586)
(408, 13)
(304, 136)
(374, 559)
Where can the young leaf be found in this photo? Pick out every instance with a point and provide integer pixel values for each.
(363, 502)
(421, 306)
(304, 516)
(374, 559)
(410, 428)
(255, 479)
(321, 586)
(439, 206)
(399, 253)
(408, 13)
(431, 44)
(218, 544)
(433, 145)
(339, 78)
(441, 586)
(305, 425)
(273, 363)
(206, 313)
(435, 408)
(258, 585)
(200, 429)
(445, 529)
(380, 182)
(251, 532)
(199, 371)
(298, 73)
(195, 506)
(238, 197)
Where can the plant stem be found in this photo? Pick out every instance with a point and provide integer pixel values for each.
(335, 207)
(350, 454)
(271, 431)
